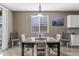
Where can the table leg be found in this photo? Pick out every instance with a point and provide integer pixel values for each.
(58, 49)
(32, 51)
(35, 53)
(49, 52)
(46, 50)
(22, 47)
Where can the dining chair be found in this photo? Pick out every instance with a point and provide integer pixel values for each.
(14, 38)
(23, 37)
(52, 47)
(65, 39)
(28, 46)
(58, 37)
(41, 44)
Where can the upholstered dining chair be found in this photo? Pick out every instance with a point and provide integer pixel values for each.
(65, 38)
(14, 38)
(58, 37)
(28, 46)
(51, 47)
(41, 46)
(23, 37)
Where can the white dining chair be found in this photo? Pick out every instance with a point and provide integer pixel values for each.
(28, 46)
(23, 37)
(58, 37)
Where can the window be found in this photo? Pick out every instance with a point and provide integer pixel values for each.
(40, 24)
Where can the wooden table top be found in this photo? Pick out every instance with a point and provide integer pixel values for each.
(33, 39)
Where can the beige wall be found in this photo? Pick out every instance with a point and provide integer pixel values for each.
(22, 21)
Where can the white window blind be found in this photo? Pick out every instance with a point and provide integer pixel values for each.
(40, 24)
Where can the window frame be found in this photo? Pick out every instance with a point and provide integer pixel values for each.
(39, 24)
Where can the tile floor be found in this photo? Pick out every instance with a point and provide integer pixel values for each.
(16, 51)
(70, 51)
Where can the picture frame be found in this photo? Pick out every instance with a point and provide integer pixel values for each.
(58, 21)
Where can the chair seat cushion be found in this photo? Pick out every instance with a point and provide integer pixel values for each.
(64, 40)
(28, 46)
(15, 40)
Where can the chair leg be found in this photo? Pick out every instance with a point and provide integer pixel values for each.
(48, 51)
(35, 52)
(60, 43)
(12, 44)
(67, 44)
(32, 51)
(19, 43)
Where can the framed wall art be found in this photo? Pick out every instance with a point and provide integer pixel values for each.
(58, 21)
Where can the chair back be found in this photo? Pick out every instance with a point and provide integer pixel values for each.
(14, 35)
(23, 37)
(66, 36)
(58, 37)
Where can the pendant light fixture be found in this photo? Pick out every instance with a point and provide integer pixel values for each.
(39, 14)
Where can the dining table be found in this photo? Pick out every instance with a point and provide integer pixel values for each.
(49, 42)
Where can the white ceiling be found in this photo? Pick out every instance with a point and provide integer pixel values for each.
(44, 6)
